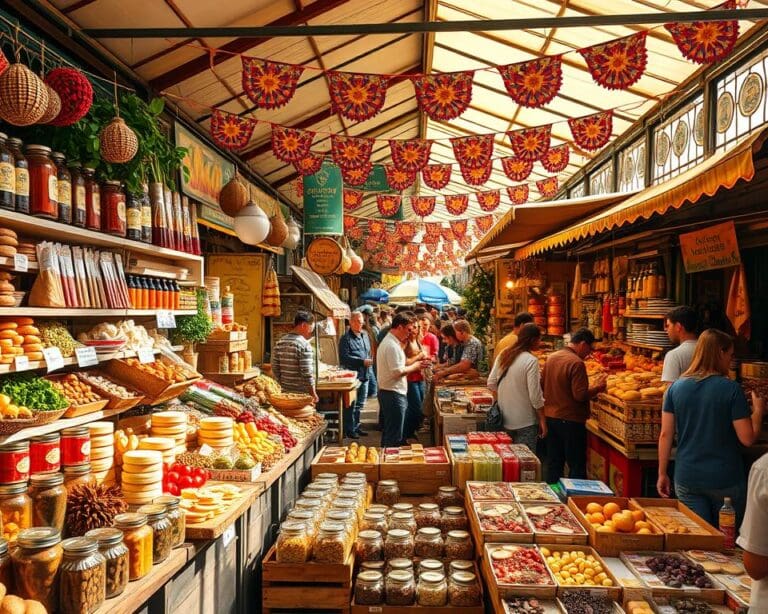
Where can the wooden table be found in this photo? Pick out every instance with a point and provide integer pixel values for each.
(341, 395)
(212, 528)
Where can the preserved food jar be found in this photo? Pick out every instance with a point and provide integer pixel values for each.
(78, 474)
(399, 564)
(373, 521)
(463, 590)
(400, 588)
(113, 219)
(387, 492)
(45, 453)
(432, 589)
(305, 517)
(403, 507)
(36, 564)
(325, 490)
(345, 517)
(75, 446)
(310, 505)
(82, 581)
(373, 566)
(346, 492)
(16, 510)
(293, 544)
(448, 496)
(161, 531)
(369, 588)
(14, 462)
(64, 188)
(369, 546)
(331, 544)
(430, 565)
(137, 535)
(399, 544)
(461, 565)
(22, 176)
(43, 182)
(115, 553)
(458, 545)
(327, 477)
(377, 508)
(92, 200)
(453, 518)
(176, 516)
(7, 175)
(316, 496)
(403, 520)
(6, 569)
(49, 500)
(133, 217)
(78, 194)
(427, 515)
(429, 543)
(344, 505)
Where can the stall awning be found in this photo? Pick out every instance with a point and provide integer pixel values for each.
(322, 292)
(721, 170)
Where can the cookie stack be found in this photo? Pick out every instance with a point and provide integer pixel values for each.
(216, 432)
(9, 241)
(142, 476)
(103, 451)
(165, 445)
(6, 289)
(173, 425)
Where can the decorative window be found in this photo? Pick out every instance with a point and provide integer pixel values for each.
(678, 143)
(632, 167)
(601, 181)
(579, 190)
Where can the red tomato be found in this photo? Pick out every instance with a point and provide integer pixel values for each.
(198, 481)
(185, 470)
(173, 477)
(186, 481)
(174, 489)
(200, 471)
(176, 466)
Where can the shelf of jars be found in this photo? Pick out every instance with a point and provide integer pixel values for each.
(68, 312)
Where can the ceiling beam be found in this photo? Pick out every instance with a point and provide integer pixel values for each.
(240, 44)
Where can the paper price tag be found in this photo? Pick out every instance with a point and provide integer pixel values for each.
(228, 535)
(21, 363)
(53, 359)
(86, 357)
(21, 263)
(146, 355)
(166, 319)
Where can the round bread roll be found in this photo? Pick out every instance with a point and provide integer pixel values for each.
(32, 339)
(7, 251)
(7, 232)
(32, 347)
(8, 241)
(8, 326)
(6, 287)
(35, 355)
(27, 328)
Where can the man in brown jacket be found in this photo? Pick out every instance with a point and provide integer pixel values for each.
(566, 407)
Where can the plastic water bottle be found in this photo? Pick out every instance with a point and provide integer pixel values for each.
(727, 521)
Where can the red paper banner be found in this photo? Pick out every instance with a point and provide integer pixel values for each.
(405, 231)
(530, 143)
(618, 64)
(592, 131)
(351, 152)
(518, 194)
(399, 179)
(356, 176)
(270, 85)
(388, 204)
(231, 131)
(489, 200)
(516, 168)
(473, 151)
(556, 158)
(289, 144)
(436, 176)
(456, 204)
(533, 83)
(309, 164)
(411, 155)
(357, 96)
(484, 223)
(352, 199)
(705, 42)
(476, 176)
(459, 228)
(423, 205)
(548, 187)
(444, 96)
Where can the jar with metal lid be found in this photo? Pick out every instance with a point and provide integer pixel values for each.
(344, 505)
(43, 182)
(82, 576)
(36, 563)
(400, 588)
(399, 544)
(177, 517)
(399, 564)
(307, 518)
(138, 537)
(311, 505)
(355, 476)
(463, 590)
(92, 200)
(461, 565)
(45, 453)
(403, 507)
(372, 566)
(369, 546)
(458, 545)
(314, 495)
(113, 220)
(16, 509)
(427, 515)
(78, 474)
(453, 518)
(373, 521)
(293, 543)
(403, 520)
(346, 492)
(327, 477)
(429, 543)
(64, 186)
(346, 517)
(378, 508)
(6, 569)
(14, 462)
(387, 492)
(326, 490)
(22, 175)
(49, 500)
(448, 496)
(115, 553)
(75, 446)
(369, 588)
(78, 194)
(162, 540)
(430, 565)
(7, 175)
(331, 545)
(432, 589)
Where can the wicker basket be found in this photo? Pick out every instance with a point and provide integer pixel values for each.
(290, 401)
(8, 427)
(23, 96)
(118, 142)
(233, 196)
(53, 108)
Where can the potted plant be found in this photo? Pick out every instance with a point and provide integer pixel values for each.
(191, 330)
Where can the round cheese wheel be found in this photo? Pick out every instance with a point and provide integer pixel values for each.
(169, 418)
(102, 453)
(216, 423)
(142, 457)
(142, 478)
(156, 443)
(100, 428)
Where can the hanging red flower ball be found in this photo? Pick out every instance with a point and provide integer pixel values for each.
(76, 94)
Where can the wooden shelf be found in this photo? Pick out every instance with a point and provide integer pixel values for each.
(211, 529)
(7, 263)
(65, 312)
(643, 316)
(61, 423)
(230, 379)
(646, 346)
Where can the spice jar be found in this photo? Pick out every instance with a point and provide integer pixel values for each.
(430, 565)
(45, 453)
(432, 589)
(75, 446)
(113, 220)
(369, 588)
(78, 194)
(64, 188)
(78, 474)
(429, 543)
(36, 563)
(453, 518)
(7, 175)
(162, 540)
(448, 496)
(458, 545)
(293, 544)
(14, 462)
(403, 520)
(137, 535)
(43, 182)
(21, 166)
(399, 544)
(400, 588)
(427, 515)
(176, 516)
(92, 200)
(369, 546)
(373, 521)
(373, 566)
(115, 552)
(6, 569)
(16, 509)
(463, 590)
(82, 576)
(49, 500)
(461, 565)
(387, 492)
(306, 518)
(330, 544)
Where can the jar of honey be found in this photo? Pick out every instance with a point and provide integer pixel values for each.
(43, 181)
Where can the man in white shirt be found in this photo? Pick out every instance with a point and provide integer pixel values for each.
(754, 537)
(681, 325)
(391, 373)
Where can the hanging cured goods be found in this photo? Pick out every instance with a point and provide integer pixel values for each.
(357, 96)
(436, 176)
(476, 176)
(556, 158)
(516, 168)
(444, 96)
(548, 187)
(489, 200)
(405, 231)
(309, 164)
(534, 83)
(231, 131)
(705, 42)
(459, 228)
(423, 205)
(350, 152)
(270, 85)
(483, 224)
(473, 151)
(356, 176)
(352, 199)
(456, 204)
(591, 132)
(377, 227)
(618, 64)
(289, 144)
(397, 178)
(388, 204)
(518, 194)
(411, 155)
(530, 143)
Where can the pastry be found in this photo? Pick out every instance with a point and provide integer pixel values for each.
(7, 251)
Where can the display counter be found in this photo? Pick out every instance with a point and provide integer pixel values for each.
(334, 398)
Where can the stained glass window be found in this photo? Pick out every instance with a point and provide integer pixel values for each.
(678, 143)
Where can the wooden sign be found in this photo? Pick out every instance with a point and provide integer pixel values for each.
(324, 256)
(715, 247)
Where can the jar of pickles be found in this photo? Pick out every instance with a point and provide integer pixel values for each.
(115, 553)
(373, 521)
(427, 515)
(36, 563)
(463, 590)
(432, 589)
(387, 492)
(6, 570)
(162, 538)
(49, 499)
(369, 588)
(453, 518)
(429, 543)
(16, 510)
(78, 474)
(293, 544)
(400, 588)
(137, 535)
(369, 546)
(331, 544)
(43, 182)
(82, 579)
(458, 545)
(399, 544)
(449, 496)
(403, 520)
(177, 516)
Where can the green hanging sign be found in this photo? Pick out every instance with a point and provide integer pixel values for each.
(324, 201)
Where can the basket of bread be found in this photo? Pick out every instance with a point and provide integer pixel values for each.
(289, 401)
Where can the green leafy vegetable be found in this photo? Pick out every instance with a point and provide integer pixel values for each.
(33, 392)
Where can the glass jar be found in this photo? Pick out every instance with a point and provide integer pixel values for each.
(427, 515)
(373, 566)
(293, 544)
(331, 544)
(16, 510)
(400, 588)
(14, 462)
(403, 520)
(310, 505)
(162, 538)
(75, 446)
(92, 200)
(82, 578)
(113, 220)
(36, 563)
(49, 500)
(399, 544)
(327, 477)
(448, 496)
(344, 505)
(453, 518)
(137, 535)
(176, 515)
(387, 492)
(403, 507)
(369, 546)
(78, 194)
(463, 590)
(316, 496)
(133, 217)
(64, 188)
(347, 518)
(22, 175)
(432, 589)
(461, 565)
(43, 182)
(325, 490)
(399, 564)
(45, 453)
(429, 543)
(355, 476)
(378, 508)
(307, 518)
(373, 521)
(78, 474)
(7, 175)
(115, 553)
(430, 565)
(369, 588)
(458, 545)
(354, 494)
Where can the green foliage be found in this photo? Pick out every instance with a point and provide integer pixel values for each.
(452, 283)
(478, 301)
(196, 328)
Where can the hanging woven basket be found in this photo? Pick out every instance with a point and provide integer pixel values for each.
(279, 232)
(119, 143)
(23, 96)
(233, 196)
(54, 106)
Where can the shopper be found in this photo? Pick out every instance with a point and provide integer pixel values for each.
(710, 416)
(681, 329)
(471, 352)
(393, 387)
(754, 537)
(510, 338)
(427, 337)
(414, 352)
(515, 381)
(450, 349)
(566, 406)
(293, 359)
(372, 329)
(355, 355)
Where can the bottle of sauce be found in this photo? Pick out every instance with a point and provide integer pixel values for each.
(78, 194)
(7, 175)
(64, 181)
(113, 209)
(162, 294)
(22, 176)
(133, 211)
(151, 294)
(131, 283)
(146, 215)
(43, 182)
(227, 306)
(144, 290)
(176, 295)
(92, 200)
(159, 226)
(727, 522)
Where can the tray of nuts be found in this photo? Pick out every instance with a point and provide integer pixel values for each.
(81, 395)
(118, 395)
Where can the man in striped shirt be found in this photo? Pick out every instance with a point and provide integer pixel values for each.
(293, 360)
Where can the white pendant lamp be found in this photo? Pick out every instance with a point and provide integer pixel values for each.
(251, 224)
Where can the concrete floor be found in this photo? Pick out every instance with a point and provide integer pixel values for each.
(369, 421)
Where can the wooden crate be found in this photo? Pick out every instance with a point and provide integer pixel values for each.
(632, 411)
(713, 540)
(459, 424)
(612, 544)
(543, 537)
(156, 390)
(417, 478)
(371, 470)
(223, 346)
(637, 432)
(613, 592)
(480, 537)
(497, 591)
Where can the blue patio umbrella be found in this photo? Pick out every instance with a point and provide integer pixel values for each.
(419, 291)
(375, 295)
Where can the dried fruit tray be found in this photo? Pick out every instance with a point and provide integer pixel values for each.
(554, 523)
(517, 570)
(490, 491)
(499, 521)
(533, 491)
